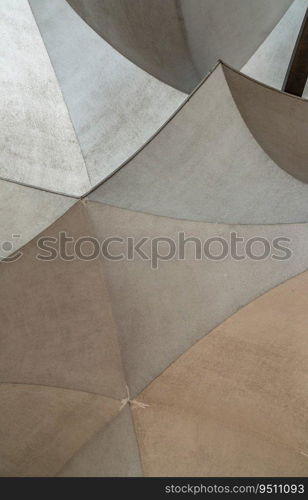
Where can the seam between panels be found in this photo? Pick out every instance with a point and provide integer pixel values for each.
(62, 94)
(61, 388)
(196, 221)
(241, 307)
(78, 450)
(137, 441)
(154, 135)
(40, 188)
(220, 63)
(238, 111)
(32, 240)
(105, 283)
(103, 429)
(86, 203)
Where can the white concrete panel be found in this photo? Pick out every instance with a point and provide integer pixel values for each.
(114, 105)
(38, 145)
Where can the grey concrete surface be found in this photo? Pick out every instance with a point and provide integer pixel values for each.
(26, 212)
(206, 165)
(112, 452)
(37, 141)
(114, 105)
(278, 122)
(179, 41)
(269, 64)
(161, 313)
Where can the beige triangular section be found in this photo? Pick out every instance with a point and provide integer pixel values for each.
(236, 403)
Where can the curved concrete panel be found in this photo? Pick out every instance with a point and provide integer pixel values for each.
(95, 325)
(206, 165)
(269, 64)
(56, 316)
(235, 404)
(179, 41)
(113, 452)
(37, 142)
(161, 312)
(42, 427)
(278, 121)
(26, 212)
(115, 106)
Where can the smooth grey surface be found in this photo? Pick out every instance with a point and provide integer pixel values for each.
(269, 64)
(161, 313)
(37, 142)
(114, 105)
(206, 165)
(179, 41)
(25, 212)
(113, 452)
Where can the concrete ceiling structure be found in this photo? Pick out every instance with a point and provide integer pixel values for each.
(179, 41)
(224, 151)
(137, 360)
(86, 329)
(115, 107)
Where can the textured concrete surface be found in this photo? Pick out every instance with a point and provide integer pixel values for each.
(26, 212)
(37, 141)
(278, 121)
(95, 325)
(235, 404)
(206, 165)
(75, 332)
(114, 105)
(113, 452)
(56, 319)
(179, 41)
(161, 313)
(41, 427)
(269, 64)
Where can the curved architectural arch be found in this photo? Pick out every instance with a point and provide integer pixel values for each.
(179, 41)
